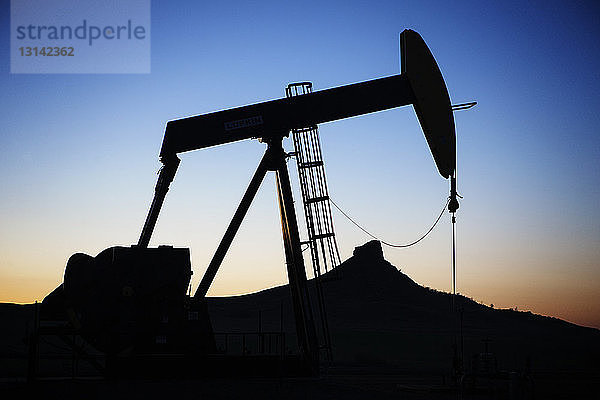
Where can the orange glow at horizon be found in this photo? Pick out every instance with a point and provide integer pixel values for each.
(577, 302)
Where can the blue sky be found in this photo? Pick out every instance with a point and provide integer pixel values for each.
(79, 152)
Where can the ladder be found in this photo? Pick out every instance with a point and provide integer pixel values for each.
(317, 208)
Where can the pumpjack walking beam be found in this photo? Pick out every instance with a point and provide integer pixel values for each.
(421, 84)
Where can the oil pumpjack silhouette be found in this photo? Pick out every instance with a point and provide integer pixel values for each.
(130, 302)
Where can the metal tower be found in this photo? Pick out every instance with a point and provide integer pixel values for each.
(317, 209)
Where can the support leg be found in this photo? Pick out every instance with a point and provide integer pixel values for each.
(234, 225)
(305, 327)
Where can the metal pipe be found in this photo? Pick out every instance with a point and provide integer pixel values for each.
(167, 173)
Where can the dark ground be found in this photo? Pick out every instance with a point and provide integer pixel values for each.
(391, 338)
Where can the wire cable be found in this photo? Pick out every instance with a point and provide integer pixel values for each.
(387, 243)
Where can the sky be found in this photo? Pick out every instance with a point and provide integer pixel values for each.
(79, 152)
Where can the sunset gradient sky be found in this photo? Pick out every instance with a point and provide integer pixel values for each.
(79, 153)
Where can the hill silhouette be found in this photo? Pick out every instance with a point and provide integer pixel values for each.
(378, 316)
